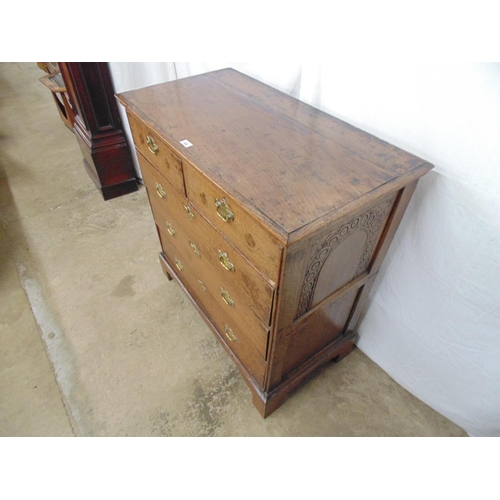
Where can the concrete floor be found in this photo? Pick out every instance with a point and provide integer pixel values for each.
(96, 342)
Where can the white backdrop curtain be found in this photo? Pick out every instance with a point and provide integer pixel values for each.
(433, 321)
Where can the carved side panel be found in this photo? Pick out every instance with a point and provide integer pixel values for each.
(343, 254)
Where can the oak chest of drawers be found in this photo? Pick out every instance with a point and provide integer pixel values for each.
(273, 217)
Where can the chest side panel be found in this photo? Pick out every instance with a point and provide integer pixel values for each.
(332, 258)
(342, 254)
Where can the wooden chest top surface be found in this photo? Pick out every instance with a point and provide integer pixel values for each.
(286, 161)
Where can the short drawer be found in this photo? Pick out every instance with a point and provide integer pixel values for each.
(254, 240)
(161, 192)
(174, 214)
(233, 335)
(158, 153)
(212, 280)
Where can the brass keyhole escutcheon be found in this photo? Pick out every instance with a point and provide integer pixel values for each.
(170, 228)
(202, 285)
(230, 334)
(226, 297)
(152, 145)
(160, 191)
(195, 249)
(178, 265)
(190, 213)
(225, 262)
(224, 212)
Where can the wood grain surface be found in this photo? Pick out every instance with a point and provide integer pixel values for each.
(251, 286)
(289, 171)
(310, 207)
(210, 281)
(158, 154)
(241, 348)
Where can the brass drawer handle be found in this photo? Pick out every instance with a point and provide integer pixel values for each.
(152, 145)
(224, 212)
(230, 334)
(195, 249)
(225, 262)
(178, 265)
(160, 191)
(202, 285)
(226, 297)
(190, 213)
(170, 228)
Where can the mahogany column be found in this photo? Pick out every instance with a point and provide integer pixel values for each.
(98, 128)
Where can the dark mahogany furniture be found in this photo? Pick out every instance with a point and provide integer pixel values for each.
(273, 217)
(98, 128)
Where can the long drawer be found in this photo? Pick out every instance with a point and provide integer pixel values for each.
(233, 334)
(175, 214)
(226, 296)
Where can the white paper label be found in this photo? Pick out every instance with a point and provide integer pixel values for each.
(186, 143)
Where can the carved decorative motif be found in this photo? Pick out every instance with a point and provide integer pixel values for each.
(371, 222)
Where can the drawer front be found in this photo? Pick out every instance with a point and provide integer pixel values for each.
(158, 153)
(173, 211)
(224, 294)
(162, 195)
(233, 334)
(242, 229)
